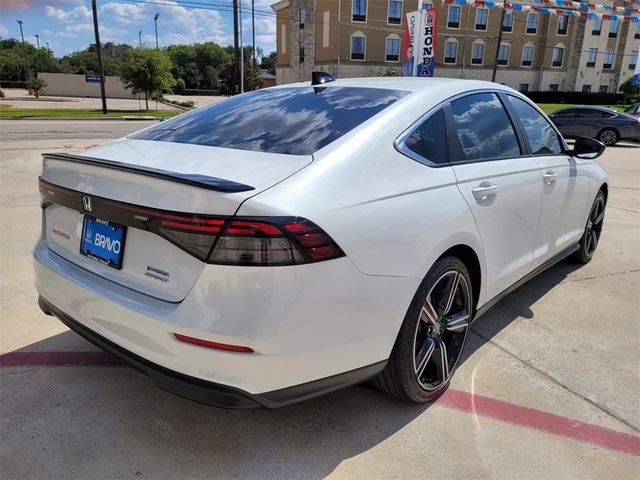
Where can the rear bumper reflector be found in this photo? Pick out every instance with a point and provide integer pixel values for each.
(209, 344)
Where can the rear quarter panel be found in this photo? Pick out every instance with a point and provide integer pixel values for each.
(391, 215)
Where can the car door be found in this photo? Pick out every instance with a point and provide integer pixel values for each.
(499, 184)
(565, 184)
(565, 121)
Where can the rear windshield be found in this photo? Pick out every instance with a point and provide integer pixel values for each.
(295, 121)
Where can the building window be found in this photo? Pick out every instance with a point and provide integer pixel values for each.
(503, 54)
(633, 60)
(358, 46)
(359, 10)
(302, 17)
(301, 51)
(563, 24)
(477, 52)
(604, 89)
(283, 39)
(608, 59)
(527, 55)
(532, 23)
(507, 22)
(557, 55)
(553, 87)
(325, 28)
(450, 51)
(482, 18)
(453, 16)
(395, 12)
(597, 26)
(392, 53)
(523, 87)
(427, 5)
(613, 27)
(586, 88)
(592, 56)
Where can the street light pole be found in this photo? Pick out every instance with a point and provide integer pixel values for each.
(241, 51)
(48, 49)
(38, 41)
(155, 19)
(24, 50)
(253, 29)
(140, 37)
(99, 55)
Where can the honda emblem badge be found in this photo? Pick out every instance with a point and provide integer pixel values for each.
(86, 203)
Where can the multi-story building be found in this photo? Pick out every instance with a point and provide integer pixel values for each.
(357, 38)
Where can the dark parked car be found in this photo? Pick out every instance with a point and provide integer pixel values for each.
(605, 124)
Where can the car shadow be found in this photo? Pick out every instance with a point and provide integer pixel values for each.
(136, 428)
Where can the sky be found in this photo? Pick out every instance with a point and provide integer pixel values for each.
(68, 24)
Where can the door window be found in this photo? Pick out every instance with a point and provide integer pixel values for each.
(429, 140)
(483, 128)
(542, 138)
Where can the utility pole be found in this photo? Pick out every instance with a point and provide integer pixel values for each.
(48, 49)
(253, 29)
(140, 37)
(236, 52)
(99, 55)
(495, 63)
(38, 40)
(155, 19)
(241, 52)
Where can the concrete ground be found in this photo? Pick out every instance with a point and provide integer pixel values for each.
(19, 98)
(549, 387)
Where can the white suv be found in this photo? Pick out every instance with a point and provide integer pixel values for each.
(291, 241)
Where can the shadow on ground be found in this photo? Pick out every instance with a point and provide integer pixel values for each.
(114, 420)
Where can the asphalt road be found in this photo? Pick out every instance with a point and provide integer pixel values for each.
(12, 130)
(548, 388)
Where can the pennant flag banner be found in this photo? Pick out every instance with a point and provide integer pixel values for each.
(586, 10)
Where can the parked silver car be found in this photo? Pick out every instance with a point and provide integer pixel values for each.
(607, 125)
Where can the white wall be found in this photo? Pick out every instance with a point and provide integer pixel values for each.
(70, 85)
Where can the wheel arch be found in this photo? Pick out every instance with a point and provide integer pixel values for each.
(608, 127)
(470, 258)
(605, 190)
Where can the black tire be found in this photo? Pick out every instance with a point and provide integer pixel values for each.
(609, 136)
(419, 335)
(592, 230)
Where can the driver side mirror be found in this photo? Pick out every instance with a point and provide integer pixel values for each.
(587, 148)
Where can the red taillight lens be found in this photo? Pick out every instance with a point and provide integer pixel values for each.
(273, 241)
(210, 344)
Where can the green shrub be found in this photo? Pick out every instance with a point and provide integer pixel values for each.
(36, 86)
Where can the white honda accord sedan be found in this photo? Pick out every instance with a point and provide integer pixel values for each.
(295, 240)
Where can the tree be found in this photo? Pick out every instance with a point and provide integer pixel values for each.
(269, 63)
(147, 71)
(35, 86)
(628, 90)
(252, 79)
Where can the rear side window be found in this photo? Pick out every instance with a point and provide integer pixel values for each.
(295, 121)
(543, 139)
(483, 128)
(429, 140)
(566, 113)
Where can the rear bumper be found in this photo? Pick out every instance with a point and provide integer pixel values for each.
(212, 393)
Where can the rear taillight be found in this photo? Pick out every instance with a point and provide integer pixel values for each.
(273, 241)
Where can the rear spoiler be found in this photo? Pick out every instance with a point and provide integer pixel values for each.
(201, 181)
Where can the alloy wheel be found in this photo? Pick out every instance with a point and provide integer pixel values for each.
(594, 226)
(608, 137)
(441, 330)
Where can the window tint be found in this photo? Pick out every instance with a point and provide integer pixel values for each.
(295, 121)
(571, 112)
(483, 127)
(592, 113)
(543, 139)
(429, 140)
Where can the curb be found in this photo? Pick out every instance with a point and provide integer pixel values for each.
(100, 119)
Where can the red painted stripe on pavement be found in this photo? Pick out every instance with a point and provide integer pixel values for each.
(59, 359)
(454, 399)
(539, 420)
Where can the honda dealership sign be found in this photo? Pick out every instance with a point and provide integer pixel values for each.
(420, 35)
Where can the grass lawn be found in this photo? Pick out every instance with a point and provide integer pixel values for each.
(7, 112)
(552, 107)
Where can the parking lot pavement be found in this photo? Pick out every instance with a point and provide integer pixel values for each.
(549, 387)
